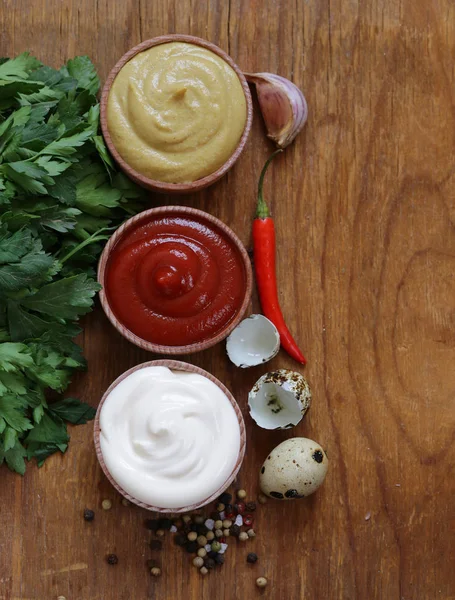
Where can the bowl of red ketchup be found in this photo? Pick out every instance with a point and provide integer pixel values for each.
(175, 280)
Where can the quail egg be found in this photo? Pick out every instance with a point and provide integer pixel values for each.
(254, 341)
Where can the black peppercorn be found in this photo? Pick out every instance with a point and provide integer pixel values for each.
(228, 509)
(250, 506)
(194, 527)
(225, 498)
(192, 547)
(219, 559)
(215, 515)
(156, 545)
(212, 554)
(180, 539)
(89, 515)
(252, 557)
(209, 563)
(201, 529)
(165, 524)
(152, 524)
(112, 559)
(235, 530)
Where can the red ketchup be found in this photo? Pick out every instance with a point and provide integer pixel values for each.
(175, 280)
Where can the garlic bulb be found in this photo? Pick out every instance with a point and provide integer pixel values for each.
(283, 106)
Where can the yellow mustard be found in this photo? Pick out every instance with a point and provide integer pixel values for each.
(176, 112)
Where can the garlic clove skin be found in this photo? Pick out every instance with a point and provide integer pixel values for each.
(283, 106)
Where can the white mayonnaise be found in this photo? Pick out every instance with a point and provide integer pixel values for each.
(169, 438)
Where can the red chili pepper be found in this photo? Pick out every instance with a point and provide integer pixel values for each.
(264, 264)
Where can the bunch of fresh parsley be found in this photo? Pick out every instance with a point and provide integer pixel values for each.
(59, 195)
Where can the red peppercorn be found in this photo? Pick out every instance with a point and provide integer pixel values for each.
(240, 508)
(222, 540)
(248, 520)
(229, 515)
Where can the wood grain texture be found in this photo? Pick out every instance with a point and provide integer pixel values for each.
(364, 203)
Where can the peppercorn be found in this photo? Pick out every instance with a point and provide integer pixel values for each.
(202, 552)
(211, 554)
(222, 540)
(152, 524)
(201, 529)
(160, 532)
(156, 571)
(152, 563)
(210, 536)
(250, 506)
(178, 523)
(228, 508)
(241, 494)
(198, 562)
(226, 532)
(218, 533)
(262, 499)
(165, 524)
(235, 530)
(216, 546)
(203, 571)
(209, 563)
(219, 559)
(180, 539)
(199, 519)
(186, 519)
(225, 498)
(156, 545)
(239, 507)
(202, 540)
(192, 536)
(215, 515)
(261, 582)
(61, 598)
(251, 533)
(220, 507)
(218, 524)
(248, 520)
(89, 515)
(227, 523)
(106, 504)
(192, 547)
(125, 502)
(252, 558)
(243, 536)
(112, 559)
(194, 527)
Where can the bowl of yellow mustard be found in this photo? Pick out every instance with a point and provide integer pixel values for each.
(176, 112)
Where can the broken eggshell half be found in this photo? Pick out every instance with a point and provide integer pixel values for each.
(279, 399)
(254, 341)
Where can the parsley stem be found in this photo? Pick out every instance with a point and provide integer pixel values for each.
(95, 237)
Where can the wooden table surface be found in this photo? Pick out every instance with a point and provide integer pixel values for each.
(364, 203)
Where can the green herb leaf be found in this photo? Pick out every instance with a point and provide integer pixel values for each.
(73, 410)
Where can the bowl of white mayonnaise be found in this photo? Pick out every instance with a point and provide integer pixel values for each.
(169, 436)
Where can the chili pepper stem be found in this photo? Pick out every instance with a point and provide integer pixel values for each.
(262, 210)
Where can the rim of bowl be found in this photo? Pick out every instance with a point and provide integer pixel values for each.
(178, 366)
(163, 186)
(186, 348)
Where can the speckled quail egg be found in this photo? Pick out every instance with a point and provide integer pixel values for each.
(279, 399)
(294, 469)
(254, 341)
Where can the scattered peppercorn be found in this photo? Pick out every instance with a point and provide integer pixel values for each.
(178, 523)
(156, 545)
(160, 532)
(252, 558)
(226, 532)
(225, 498)
(248, 520)
(186, 519)
(112, 559)
(216, 546)
(89, 515)
(156, 571)
(220, 507)
(241, 494)
(165, 524)
(235, 530)
(125, 502)
(251, 533)
(210, 536)
(198, 562)
(262, 499)
(202, 540)
(243, 536)
(202, 552)
(192, 536)
(203, 571)
(199, 519)
(250, 506)
(219, 559)
(227, 523)
(152, 524)
(201, 529)
(215, 515)
(261, 582)
(106, 504)
(209, 563)
(218, 524)
(180, 539)
(61, 598)
(211, 554)
(218, 533)
(239, 507)
(192, 547)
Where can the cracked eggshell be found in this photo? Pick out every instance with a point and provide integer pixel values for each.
(254, 341)
(296, 468)
(279, 399)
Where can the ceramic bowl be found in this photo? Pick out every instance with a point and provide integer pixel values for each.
(161, 186)
(202, 216)
(178, 366)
